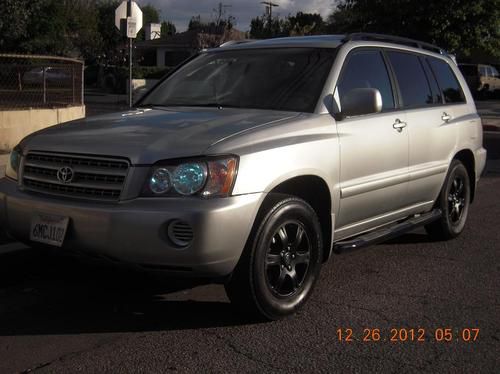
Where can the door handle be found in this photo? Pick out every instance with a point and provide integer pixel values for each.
(446, 117)
(399, 125)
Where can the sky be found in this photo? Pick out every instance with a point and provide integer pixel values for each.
(180, 11)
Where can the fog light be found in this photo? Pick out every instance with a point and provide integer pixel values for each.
(180, 233)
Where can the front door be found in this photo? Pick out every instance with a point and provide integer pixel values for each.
(373, 149)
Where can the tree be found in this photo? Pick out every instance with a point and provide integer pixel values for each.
(460, 26)
(37, 26)
(195, 23)
(67, 27)
(82, 28)
(111, 40)
(266, 27)
(149, 15)
(214, 27)
(14, 27)
(299, 24)
(305, 24)
(167, 29)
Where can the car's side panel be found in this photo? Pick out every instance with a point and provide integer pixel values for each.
(432, 145)
(373, 166)
(277, 153)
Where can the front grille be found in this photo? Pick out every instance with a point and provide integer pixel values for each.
(96, 178)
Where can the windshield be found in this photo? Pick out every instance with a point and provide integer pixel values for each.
(289, 79)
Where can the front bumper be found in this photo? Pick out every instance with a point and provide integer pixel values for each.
(135, 231)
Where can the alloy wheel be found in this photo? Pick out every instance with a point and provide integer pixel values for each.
(456, 199)
(287, 259)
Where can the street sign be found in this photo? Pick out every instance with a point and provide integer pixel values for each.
(128, 19)
(131, 27)
(134, 24)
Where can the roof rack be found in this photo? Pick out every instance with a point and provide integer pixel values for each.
(394, 39)
(235, 42)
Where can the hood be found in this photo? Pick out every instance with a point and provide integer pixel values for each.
(149, 135)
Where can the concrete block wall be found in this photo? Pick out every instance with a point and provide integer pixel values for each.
(16, 124)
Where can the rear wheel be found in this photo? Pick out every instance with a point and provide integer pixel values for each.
(279, 267)
(454, 201)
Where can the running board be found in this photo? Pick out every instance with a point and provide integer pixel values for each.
(386, 233)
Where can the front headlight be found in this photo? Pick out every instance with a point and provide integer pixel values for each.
(189, 178)
(12, 169)
(207, 178)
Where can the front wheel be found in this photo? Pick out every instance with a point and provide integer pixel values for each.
(278, 269)
(454, 201)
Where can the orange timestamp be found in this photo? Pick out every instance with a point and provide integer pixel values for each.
(403, 334)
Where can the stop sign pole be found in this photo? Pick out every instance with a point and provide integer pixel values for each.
(128, 19)
(130, 41)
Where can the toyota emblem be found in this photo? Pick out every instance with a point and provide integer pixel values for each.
(65, 174)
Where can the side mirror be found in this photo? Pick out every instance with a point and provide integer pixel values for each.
(361, 101)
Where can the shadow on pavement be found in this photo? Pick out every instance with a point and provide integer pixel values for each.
(57, 295)
(411, 238)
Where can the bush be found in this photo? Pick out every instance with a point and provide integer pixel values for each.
(115, 78)
(143, 72)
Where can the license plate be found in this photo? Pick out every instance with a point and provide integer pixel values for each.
(48, 229)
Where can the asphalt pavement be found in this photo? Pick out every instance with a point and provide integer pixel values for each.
(59, 315)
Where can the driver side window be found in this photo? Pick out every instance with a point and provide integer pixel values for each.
(366, 69)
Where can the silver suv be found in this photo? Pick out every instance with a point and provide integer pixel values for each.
(253, 162)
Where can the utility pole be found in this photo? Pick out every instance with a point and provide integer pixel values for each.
(221, 11)
(269, 8)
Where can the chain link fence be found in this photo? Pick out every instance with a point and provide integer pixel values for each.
(30, 81)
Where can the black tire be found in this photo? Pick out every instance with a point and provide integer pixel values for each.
(454, 202)
(281, 262)
(485, 92)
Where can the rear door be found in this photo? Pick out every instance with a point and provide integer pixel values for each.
(373, 148)
(430, 96)
(494, 79)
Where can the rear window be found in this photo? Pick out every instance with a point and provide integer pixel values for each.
(412, 81)
(436, 92)
(447, 81)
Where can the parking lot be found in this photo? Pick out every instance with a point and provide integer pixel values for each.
(60, 315)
